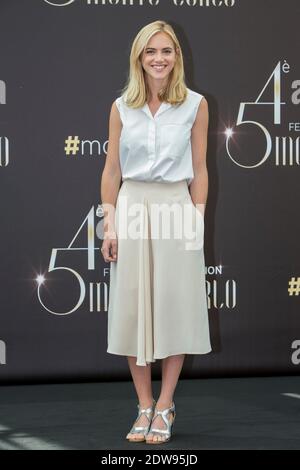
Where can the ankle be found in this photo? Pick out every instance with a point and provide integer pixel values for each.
(146, 403)
(162, 403)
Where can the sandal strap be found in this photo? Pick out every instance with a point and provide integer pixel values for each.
(163, 414)
(138, 429)
(160, 431)
(148, 412)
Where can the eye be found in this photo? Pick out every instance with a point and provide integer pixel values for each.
(167, 51)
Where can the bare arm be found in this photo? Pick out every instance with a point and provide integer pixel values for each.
(111, 175)
(199, 185)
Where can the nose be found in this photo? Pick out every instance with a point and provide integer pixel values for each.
(158, 58)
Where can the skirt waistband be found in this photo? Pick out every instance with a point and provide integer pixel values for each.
(164, 186)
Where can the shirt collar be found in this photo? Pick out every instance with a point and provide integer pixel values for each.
(163, 107)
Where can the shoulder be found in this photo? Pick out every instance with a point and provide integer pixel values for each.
(196, 98)
(198, 105)
(118, 102)
(120, 105)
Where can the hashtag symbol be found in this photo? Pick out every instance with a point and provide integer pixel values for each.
(72, 145)
(294, 284)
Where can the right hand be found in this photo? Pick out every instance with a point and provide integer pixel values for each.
(109, 247)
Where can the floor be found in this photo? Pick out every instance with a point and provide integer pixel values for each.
(218, 413)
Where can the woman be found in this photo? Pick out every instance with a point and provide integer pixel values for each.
(157, 300)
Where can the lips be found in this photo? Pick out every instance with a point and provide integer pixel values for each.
(158, 67)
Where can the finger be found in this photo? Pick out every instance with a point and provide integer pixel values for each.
(114, 251)
(109, 250)
(111, 258)
(107, 256)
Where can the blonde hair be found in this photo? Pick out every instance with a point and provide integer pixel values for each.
(135, 91)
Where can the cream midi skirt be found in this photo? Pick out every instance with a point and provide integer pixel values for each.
(157, 294)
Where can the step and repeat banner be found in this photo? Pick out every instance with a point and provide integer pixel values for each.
(62, 64)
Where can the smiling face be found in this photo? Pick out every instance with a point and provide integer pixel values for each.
(159, 57)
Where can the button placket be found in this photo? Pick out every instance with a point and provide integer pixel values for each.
(151, 139)
(152, 129)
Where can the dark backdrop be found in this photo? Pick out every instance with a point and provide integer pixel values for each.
(61, 69)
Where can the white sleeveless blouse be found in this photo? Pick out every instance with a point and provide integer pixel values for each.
(158, 148)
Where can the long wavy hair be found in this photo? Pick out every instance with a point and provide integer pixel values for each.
(135, 91)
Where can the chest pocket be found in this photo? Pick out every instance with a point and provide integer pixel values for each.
(174, 140)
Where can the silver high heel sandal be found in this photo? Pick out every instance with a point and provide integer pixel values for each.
(164, 432)
(142, 430)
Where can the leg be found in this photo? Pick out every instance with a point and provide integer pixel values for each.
(141, 376)
(171, 368)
